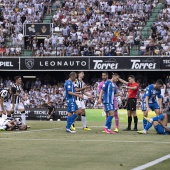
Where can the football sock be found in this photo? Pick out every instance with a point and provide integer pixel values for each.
(144, 123)
(135, 122)
(69, 122)
(23, 117)
(74, 116)
(9, 116)
(109, 122)
(148, 126)
(129, 122)
(83, 119)
(106, 116)
(116, 119)
(12, 113)
(4, 116)
(160, 117)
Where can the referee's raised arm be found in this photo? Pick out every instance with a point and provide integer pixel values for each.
(132, 88)
(123, 81)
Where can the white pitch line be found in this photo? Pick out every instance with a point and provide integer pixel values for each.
(99, 140)
(152, 163)
(29, 131)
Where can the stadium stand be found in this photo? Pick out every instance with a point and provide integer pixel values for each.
(87, 28)
(158, 39)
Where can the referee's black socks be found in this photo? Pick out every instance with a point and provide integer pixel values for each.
(135, 122)
(129, 122)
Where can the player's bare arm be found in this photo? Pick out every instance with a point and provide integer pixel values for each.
(147, 103)
(100, 96)
(88, 95)
(128, 87)
(165, 127)
(160, 104)
(81, 89)
(13, 102)
(2, 105)
(75, 94)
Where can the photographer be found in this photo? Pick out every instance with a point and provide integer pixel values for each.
(51, 110)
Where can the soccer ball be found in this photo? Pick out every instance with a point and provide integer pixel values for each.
(4, 93)
(103, 113)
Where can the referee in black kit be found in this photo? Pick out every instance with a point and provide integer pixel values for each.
(132, 88)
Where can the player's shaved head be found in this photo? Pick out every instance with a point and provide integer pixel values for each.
(72, 74)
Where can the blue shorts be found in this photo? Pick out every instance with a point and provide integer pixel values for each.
(72, 107)
(152, 106)
(108, 107)
(160, 129)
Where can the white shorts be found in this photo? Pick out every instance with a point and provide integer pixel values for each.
(19, 106)
(7, 106)
(80, 104)
(3, 123)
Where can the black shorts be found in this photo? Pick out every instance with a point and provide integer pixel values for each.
(131, 104)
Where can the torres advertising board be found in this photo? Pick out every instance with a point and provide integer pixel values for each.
(125, 63)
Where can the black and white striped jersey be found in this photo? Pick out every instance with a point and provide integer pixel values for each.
(8, 96)
(19, 89)
(79, 84)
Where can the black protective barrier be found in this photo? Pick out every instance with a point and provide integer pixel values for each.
(60, 113)
(42, 113)
(136, 63)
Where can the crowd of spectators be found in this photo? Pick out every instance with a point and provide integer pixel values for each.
(96, 27)
(15, 13)
(38, 95)
(84, 27)
(159, 41)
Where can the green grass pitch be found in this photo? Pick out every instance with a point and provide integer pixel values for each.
(46, 146)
